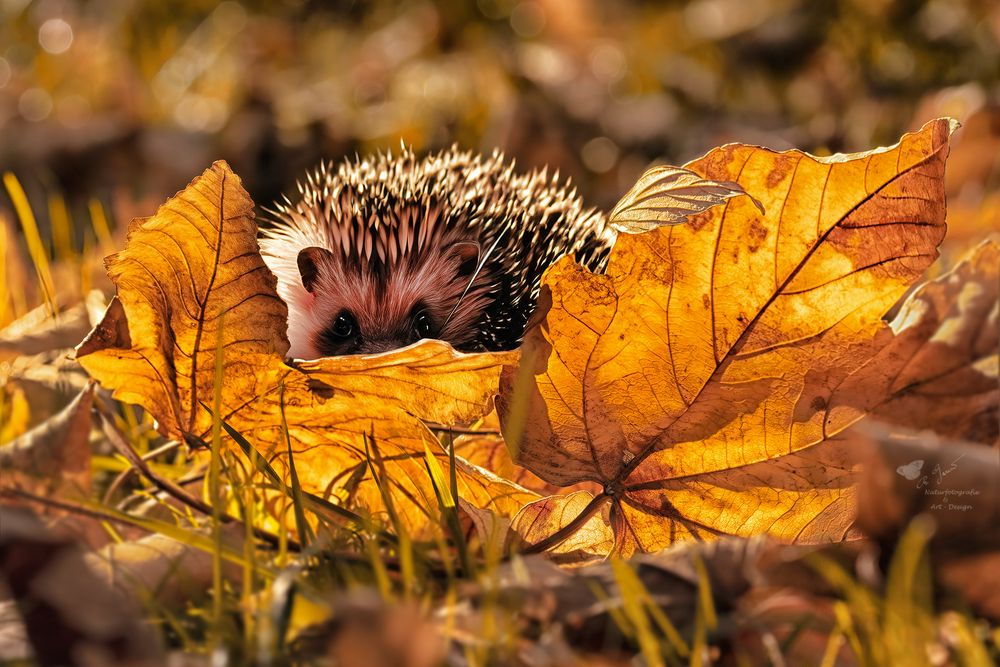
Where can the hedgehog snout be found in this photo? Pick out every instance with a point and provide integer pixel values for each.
(384, 345)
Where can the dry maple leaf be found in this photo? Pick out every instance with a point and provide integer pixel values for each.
(192, 285)
(940, 371)
(181, 271)
(690, 379)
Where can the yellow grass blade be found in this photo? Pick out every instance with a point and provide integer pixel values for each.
(101, 227)
(31, 236)
(4, 292)
(62, 227)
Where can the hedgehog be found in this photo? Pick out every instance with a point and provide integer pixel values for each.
(379, 252)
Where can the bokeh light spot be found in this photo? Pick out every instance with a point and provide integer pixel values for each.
(34, 104)
(599, 155)
(527, 19)
(55, 36)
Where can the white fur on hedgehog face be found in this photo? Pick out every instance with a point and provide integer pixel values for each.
(384, 317)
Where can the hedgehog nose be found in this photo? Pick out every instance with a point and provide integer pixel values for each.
(381, 345)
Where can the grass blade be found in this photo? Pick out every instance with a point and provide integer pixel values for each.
(306, 536)
(36, 249)
(448, 505)
(405, 544)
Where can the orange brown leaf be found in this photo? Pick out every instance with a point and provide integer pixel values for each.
(684, 378)
(940, 371)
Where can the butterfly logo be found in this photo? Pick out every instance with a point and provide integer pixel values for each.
(911, 470)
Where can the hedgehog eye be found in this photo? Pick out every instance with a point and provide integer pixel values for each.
(422, 325)
(344, 326)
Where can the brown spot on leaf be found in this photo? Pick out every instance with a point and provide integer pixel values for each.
(778, 172)
(756, 234)
(697, 222)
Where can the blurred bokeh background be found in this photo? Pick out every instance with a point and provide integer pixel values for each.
(108, 107)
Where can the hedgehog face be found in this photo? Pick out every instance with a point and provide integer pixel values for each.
(396, 248)
(340, 307)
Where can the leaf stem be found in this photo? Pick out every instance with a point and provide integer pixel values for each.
(570, 528)
(459, 430)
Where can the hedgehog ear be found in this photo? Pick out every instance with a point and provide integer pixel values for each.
(468, 257)
(309, 260)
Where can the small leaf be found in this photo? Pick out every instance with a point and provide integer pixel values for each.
(668, 196)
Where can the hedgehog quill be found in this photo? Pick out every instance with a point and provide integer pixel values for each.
(380, 252)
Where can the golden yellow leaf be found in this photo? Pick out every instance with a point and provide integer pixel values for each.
(328, 432)
(807, 496)
(191, 274)
(181, 271)
(708, 353)
(429, 379)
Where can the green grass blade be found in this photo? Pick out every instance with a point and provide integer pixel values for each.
(214, 485)
(306, 536)
(405, 544)
(319, 506)
(448, 505)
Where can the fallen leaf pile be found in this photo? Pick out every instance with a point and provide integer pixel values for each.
(698, 385)
(705, 388)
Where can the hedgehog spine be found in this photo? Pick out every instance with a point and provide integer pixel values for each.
(378, 252)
